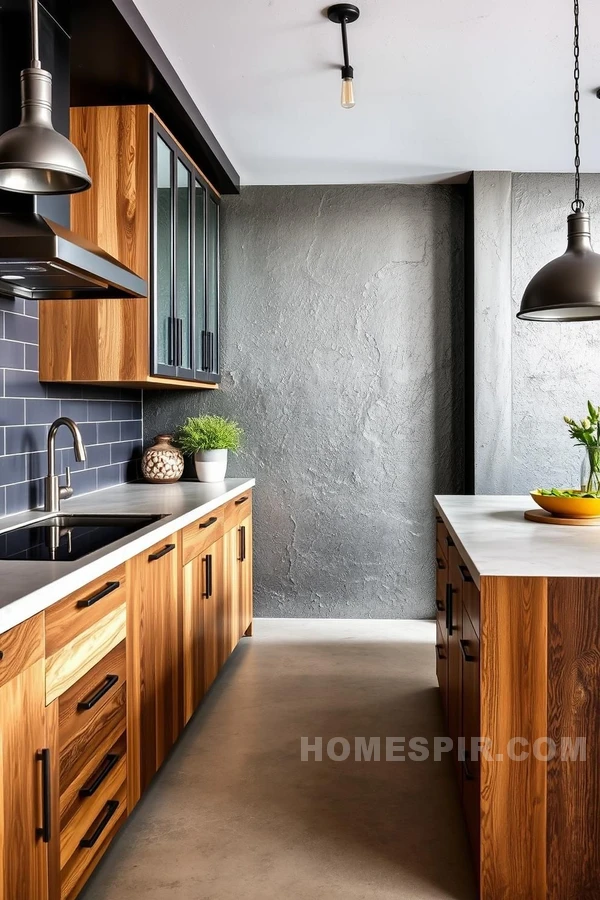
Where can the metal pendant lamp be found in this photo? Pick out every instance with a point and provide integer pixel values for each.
(568, 288)
(34, 158)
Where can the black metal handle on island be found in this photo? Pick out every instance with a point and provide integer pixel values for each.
(108, 683)
(89, 841)
(45, 832)
(89, 601)
(438, 650)
(166, 549)
(449, 591)
(91, 786)
(465, 574)
(467, 656)
(242, 543)
(240, 501)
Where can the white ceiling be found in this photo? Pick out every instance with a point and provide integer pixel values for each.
(442, 86)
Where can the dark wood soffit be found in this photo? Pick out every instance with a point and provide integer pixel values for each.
(115, 59)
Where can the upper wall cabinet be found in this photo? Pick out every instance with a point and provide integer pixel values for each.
(151, 207)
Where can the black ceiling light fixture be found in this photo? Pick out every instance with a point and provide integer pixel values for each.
(342, 14)
(568, 288)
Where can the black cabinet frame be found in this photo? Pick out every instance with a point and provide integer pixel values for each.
(209, 354)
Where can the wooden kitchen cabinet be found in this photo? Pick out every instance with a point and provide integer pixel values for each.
(155, 707)
(24, 765)
(152, 209)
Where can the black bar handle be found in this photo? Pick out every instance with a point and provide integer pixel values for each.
(45, 832)
(89, 601)
(1, 654)
(92, 785)
(89, 841)
(449, 624)
(242, 543)
(439, 605)
(465, 574)
(204, 351)
(439, 520)
(240, 501)
(438, 650)
(449, 541)
(210, 521)
(465, 764)
(440, 562)
(180, 341)
(467, 656)
(166, 549)
(109, 681)
(208, 576)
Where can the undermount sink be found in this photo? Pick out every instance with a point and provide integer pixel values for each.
(65, 537)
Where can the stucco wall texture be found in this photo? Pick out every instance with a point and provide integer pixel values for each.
(555, 367)
(342, 349)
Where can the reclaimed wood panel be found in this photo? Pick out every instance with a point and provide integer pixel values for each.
(574, 712)
(514, 676)
(20, 647)
(74, 659)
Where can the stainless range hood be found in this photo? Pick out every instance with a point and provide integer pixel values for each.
(41, 260)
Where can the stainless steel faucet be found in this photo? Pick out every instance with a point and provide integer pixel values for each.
(55, 492)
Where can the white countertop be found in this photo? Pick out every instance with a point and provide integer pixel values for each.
(494, 539)
(27, 587)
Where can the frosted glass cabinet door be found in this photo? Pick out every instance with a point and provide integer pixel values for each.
(163, 252)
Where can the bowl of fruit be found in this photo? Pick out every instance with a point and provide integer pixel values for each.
(568, 504)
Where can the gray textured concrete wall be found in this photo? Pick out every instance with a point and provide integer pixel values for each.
(342, 349)
(492, 333)
(555, 367)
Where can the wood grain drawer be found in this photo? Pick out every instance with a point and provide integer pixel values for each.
(201, 534)
(68, 618)
(94, 788)
(88, 744)
(470, 596)
(73, 660)
(82, 860)
(20, 647)
(237, 510)
(80, 707)
(442, 536)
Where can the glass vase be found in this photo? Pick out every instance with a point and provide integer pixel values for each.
(590, 470)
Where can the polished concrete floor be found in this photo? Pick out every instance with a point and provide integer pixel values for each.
(236, 813)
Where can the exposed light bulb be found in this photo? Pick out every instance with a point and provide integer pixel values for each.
(348, 93)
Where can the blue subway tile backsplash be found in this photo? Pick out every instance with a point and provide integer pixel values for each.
(110, 420)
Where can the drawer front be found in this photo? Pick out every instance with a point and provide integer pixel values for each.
(108, 723)
(20, 647)
(73, 660)
(441, 580)
(81, 705)
(201, 534)
(442, 536)
(68, 618)
(441, 663)
(470, 594)
(84, 859)
(237, 510)
(93, 792)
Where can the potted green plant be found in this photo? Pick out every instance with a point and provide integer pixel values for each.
(207, 439)
(587, 435)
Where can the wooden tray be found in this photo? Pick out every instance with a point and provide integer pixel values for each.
(546, 518)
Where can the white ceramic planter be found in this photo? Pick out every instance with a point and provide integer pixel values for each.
(211, 465)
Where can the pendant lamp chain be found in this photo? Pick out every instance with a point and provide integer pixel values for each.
(577, 205)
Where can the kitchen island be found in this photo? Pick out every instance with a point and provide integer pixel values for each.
(518, 662)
